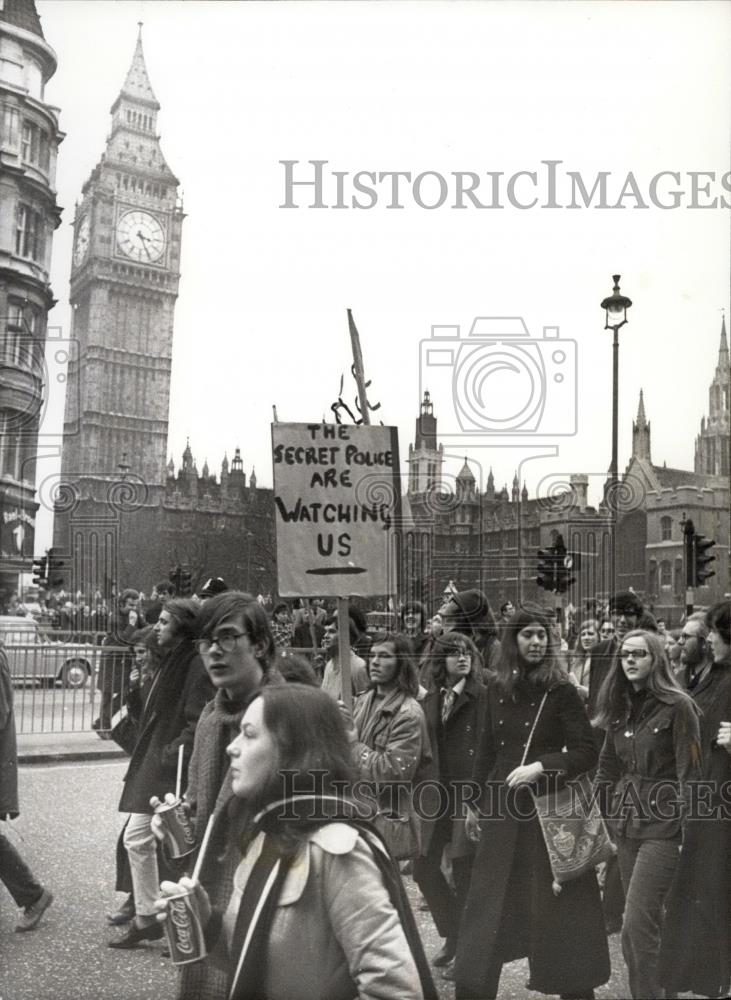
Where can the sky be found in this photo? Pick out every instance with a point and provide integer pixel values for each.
(437, 89)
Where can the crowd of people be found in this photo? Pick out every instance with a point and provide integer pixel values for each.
(313, 812)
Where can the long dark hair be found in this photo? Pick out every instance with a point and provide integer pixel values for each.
(614, 695)
(447, 645)
(406, 679)
(313, 753)
(185, 613)
(512, 670)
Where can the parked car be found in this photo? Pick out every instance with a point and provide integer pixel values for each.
(32, 655)
(380, 621)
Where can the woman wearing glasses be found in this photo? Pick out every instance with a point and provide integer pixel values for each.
(651, 751)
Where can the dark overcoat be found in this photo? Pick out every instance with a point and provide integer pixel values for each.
(8, 746)
(454, 747)
(695, 955)
(511, 910)
(177, 695)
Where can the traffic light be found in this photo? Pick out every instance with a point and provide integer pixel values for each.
(547, 569)
(703, 559)
(40, 578)
(174, 578)
(568, 562)
(56, 567)
(185, 585)
(689, 552)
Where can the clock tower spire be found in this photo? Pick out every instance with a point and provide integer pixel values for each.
(124, 284)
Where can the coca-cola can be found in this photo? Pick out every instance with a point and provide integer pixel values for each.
(177, 828)
(184, 929)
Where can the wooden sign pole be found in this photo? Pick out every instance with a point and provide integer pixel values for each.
(343, 616)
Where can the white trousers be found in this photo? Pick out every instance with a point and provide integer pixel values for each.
(141, 846)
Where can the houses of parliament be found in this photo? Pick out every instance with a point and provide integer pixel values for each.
(126, 513)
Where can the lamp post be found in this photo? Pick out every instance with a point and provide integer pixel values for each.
(615, 307)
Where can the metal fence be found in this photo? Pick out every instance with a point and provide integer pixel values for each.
(59, 685)
(56, 684)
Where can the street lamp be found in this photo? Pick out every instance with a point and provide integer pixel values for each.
(615, 307)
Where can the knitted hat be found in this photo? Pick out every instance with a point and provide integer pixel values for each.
(472, 605)
(216, 585)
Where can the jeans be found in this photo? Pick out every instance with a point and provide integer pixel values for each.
(17, 876)
(647, 868)
(142, 852)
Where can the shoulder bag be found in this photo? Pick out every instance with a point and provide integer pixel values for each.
(573, 829)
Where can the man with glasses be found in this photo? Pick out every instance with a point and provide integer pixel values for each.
(696, 656)
(237, 648)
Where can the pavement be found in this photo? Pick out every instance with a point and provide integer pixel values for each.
(49, 748)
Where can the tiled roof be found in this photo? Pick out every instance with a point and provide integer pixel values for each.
(681, 477)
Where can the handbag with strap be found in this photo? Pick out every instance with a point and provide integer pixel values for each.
(572, 825)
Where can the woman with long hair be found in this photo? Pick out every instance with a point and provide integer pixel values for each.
(469, 613)
(696, 945)
(454, 708)
(391, 742)
(580, 658)
(651, 751)
(512, 911)
(172, 705)
(317, 910)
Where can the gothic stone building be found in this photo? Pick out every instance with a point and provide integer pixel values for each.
(468, 535)
(122, 518)
(29, 140)
(650, 536)
(465, 535)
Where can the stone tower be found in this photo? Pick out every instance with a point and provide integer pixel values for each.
(425, 455)
(712, 444)
(124, 284)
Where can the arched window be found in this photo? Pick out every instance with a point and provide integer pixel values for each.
(666, 528)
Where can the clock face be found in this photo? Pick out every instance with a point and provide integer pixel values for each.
(141, 237)
(81, 244)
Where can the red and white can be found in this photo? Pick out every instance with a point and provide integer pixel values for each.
(184, 929)
(177, 828)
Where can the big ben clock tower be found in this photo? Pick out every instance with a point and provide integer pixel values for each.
(124, 284)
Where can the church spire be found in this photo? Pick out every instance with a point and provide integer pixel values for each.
(641, 419)
(722, 365)
(641, 433)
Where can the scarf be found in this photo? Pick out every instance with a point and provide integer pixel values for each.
(263, 889)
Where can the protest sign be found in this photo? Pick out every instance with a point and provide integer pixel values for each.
(336, 503)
